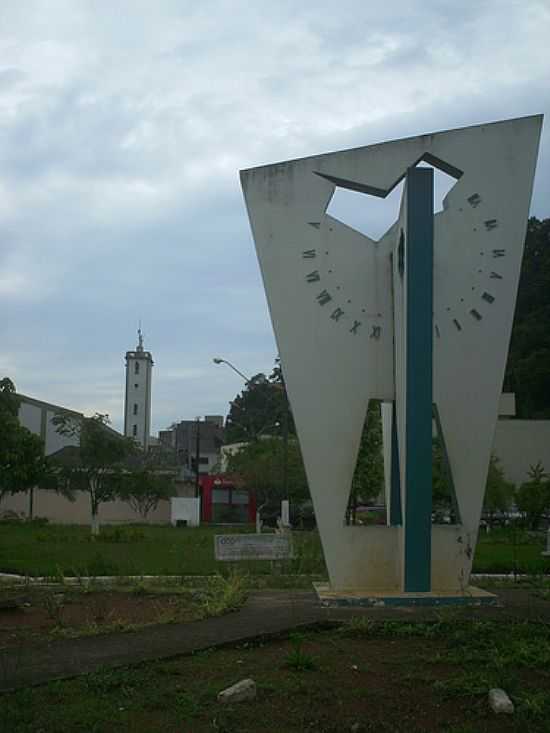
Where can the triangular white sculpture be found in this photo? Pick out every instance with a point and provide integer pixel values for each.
(330, 294)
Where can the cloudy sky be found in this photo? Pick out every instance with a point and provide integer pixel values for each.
(122, 129)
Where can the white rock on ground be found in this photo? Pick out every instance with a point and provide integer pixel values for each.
(243, 690)
(500, 702)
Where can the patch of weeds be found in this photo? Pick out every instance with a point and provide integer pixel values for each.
(121, 534)
(465, 685)
(54, 605)
(139, 588)
(93, 629)
(100, 566)
(298, 659)
(358, 626)
(121, 680)
(185, 705)
(533, 705)
(224, 595)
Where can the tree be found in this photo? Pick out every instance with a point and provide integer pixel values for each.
(368, 477)
(499, 493)
(259, 465)
(142, 489)
(533, 496)
(22, 462)
(96, 465)
(260, 409)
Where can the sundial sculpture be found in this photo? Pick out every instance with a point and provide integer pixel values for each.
(420, 319)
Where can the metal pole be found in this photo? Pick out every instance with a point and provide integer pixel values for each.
(285, 449)
(197, 457)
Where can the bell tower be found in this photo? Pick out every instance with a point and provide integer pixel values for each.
(137, 401)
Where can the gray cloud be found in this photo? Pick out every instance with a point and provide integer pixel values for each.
(121, 136)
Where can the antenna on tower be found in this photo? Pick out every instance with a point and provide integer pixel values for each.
(140, 337)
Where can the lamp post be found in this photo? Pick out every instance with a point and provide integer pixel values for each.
(218, 360)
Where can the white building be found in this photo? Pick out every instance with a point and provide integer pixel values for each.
(137, 400)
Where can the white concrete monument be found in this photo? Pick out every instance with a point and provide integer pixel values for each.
(420, 319)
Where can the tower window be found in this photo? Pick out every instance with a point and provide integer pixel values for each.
(135, 408)
(134, 430)
(136, 367)
(136, 385)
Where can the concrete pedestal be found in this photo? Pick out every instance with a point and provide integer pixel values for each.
(379, 599)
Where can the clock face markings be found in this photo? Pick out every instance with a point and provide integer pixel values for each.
(337, 313)
(324, 297)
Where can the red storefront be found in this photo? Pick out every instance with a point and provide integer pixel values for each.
(224, 502)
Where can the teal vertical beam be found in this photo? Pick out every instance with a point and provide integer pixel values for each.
(419, 340)
(395, 478)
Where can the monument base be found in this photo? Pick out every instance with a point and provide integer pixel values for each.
(471, 596)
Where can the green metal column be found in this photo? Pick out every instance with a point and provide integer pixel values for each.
(419, 344)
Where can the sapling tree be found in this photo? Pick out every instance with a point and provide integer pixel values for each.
(533, 496)
(143, 488)
(96, 466)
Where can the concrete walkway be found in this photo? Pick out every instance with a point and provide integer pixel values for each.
(266, 613)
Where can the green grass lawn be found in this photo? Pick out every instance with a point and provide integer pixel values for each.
(165, 550)
(510, 550)
(137, 550)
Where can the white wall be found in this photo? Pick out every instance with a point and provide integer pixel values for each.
(185, 508)
(38, 416)
(520, 444)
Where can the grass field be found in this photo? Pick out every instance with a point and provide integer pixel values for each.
(386, 676)
(57, 550)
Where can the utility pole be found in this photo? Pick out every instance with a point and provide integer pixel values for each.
(285, 448)
(197, 457)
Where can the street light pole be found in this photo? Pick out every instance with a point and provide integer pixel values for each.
(218, 360)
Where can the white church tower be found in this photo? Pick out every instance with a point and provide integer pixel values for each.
(137, 402)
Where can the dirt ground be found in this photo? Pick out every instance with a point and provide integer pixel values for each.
(323, 682)
(28, 617)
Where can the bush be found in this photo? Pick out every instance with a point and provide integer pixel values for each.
(100, 566)
(121, 534)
